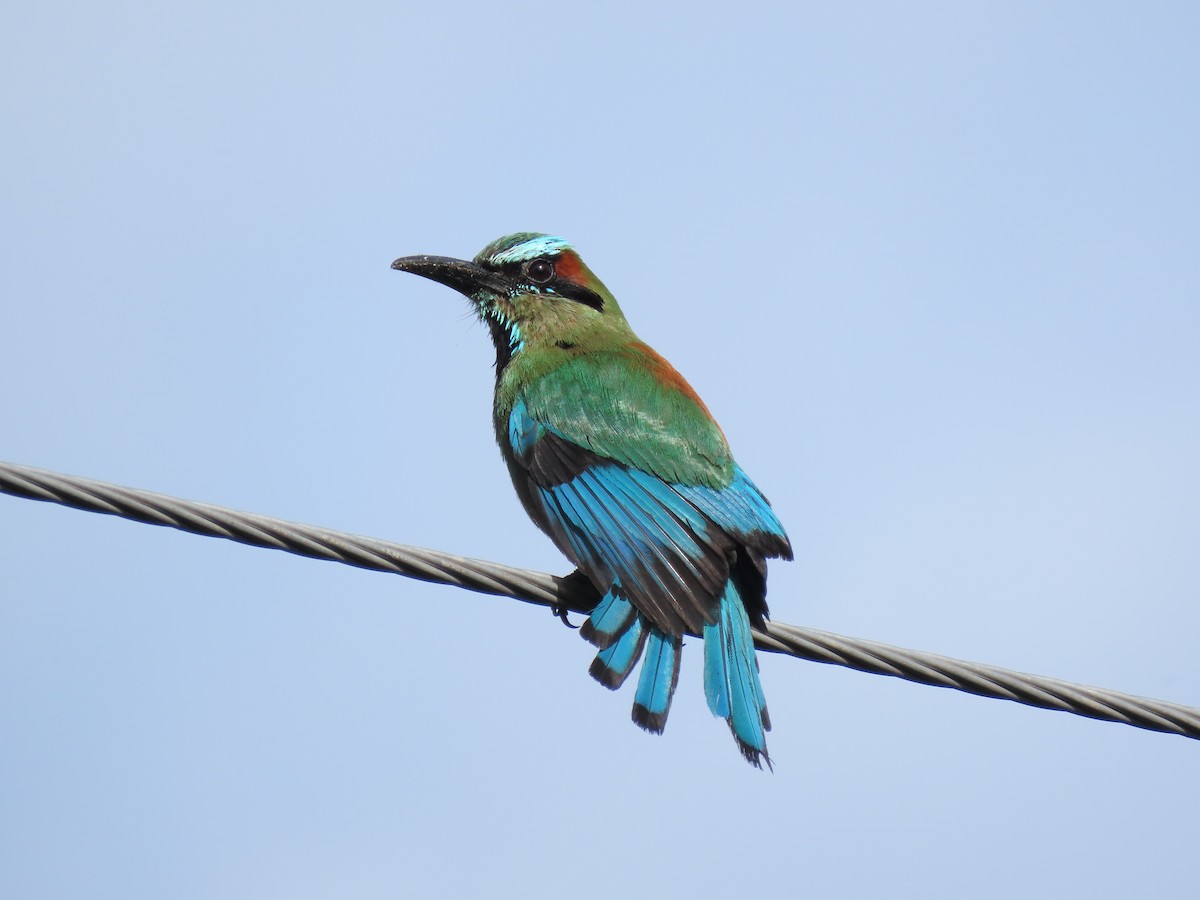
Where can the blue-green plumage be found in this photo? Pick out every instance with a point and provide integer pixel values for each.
(613, 664)
(615, 457)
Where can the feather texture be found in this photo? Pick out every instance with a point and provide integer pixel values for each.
(656, 685)
(731, 681)
(675, 558)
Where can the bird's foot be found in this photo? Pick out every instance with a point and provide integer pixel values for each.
(561, 612)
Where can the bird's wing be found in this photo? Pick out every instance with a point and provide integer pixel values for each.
(632, 407)
(628, 473)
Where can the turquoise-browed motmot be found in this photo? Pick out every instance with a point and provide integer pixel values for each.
(617, 459)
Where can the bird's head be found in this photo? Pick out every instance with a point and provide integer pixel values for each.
(533, 292)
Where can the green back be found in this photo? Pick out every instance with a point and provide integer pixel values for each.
(627, 404)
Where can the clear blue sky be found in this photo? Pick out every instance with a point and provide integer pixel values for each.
(933, 266)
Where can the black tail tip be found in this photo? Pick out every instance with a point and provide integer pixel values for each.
(651, 722)
(587, 632)
(755, 756)
(608, 676)
(600, 641)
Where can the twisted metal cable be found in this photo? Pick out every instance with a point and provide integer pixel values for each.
(575, 593)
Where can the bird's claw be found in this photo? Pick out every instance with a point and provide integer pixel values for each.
(561, 612)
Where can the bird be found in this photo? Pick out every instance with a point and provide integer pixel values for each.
(617, 459)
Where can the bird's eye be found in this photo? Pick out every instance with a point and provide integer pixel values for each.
(540, 271)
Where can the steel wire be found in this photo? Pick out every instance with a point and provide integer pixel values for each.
(575, 593)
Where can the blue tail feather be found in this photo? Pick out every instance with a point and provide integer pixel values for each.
(716, 691)
(610, 619)
(656, 684)
(612, 665)
(731, 682)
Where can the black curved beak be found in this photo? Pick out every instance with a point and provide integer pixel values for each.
(465, 277)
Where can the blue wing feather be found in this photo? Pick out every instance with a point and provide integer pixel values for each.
(671, 557)
(740, 509)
